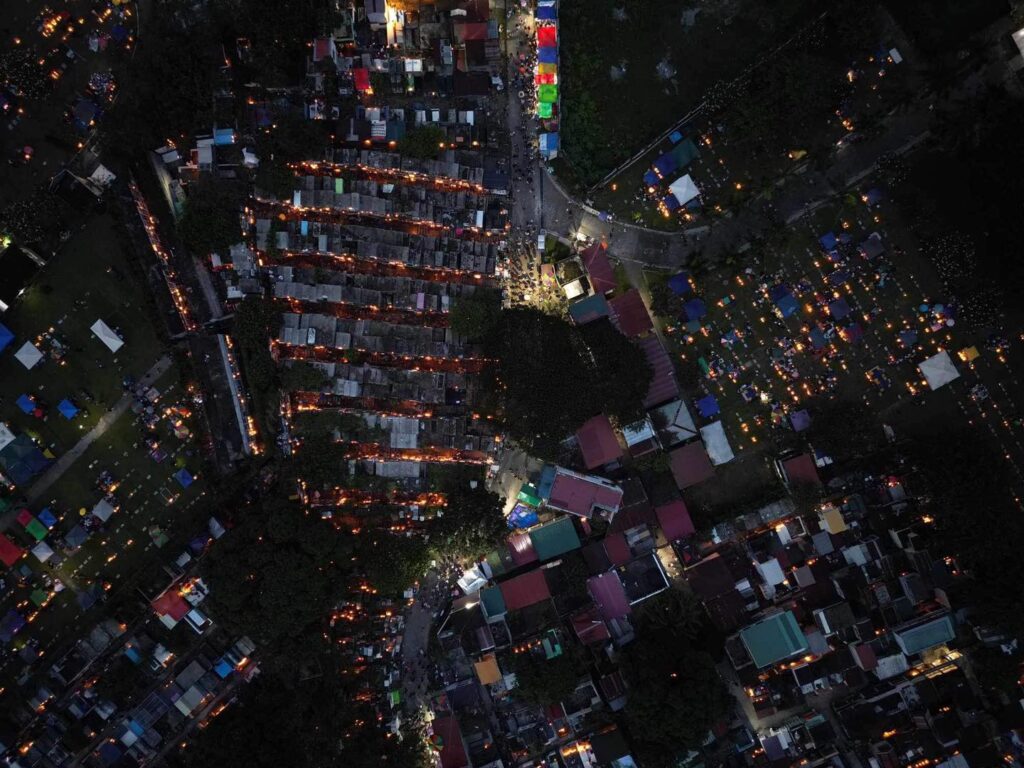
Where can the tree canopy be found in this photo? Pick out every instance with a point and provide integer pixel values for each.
(473, 523)
(541, 681)
(552, 377)
(393, 562)
(276, 575)
(423, 142)
(211, 218)
(474, 316)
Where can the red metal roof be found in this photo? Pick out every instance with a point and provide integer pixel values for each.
(609, 595)
(598, 442)
(800, 470)
(629, 313)
(691, 465)
(599, 269)
(674, 519)
(579, 494)
(170, 603)
(9, 551)
(525, 590)
(589, 627)
(617, 548)
(664, 386)
(471, 30)
(322, 48)
(453, 753)
(520, 547)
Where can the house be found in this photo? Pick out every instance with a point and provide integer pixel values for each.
(673, 423)
(773, 639)
(641, 438)
(663, 385)
(924, 633)
(629, 314)
(674, 520)
(598, 442)
(599, 269)
(799, 470)
(584, 495)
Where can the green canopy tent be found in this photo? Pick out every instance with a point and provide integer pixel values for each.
(547, 94)
(39, 596)
(37, 530)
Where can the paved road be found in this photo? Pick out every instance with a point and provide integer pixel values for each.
(416, 684)
(50, 476)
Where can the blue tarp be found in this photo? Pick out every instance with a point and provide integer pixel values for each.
(46, 517)
(788, 305)
(183, 477)
(6, 337)
(707, 406)
(695, 309)
(26, 404)
(547, 55)
(133, 655)
(679, 284)
(67, 409)
(651, 179)
(223, 669)
(838, 309)
(304, 227)
(547, 479)
(522, 516)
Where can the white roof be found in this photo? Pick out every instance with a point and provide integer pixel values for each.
(28, 355)
(684, 189)
(675, 424)
(1018, 38)
(102, 176)
(638, 431)
(939, 370)
(716, 443)
(771, 572)
(103, 331)
(103, 510)
(6, 436)
(42, 551)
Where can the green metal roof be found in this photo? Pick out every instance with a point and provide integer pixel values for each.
(773, 639)
(493, 602)
(554, 539)
(927, 635)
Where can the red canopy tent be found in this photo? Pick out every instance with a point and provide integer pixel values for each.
(547, 36)
(10, 552)
(24, 517)
(361, 78)
(545, 79)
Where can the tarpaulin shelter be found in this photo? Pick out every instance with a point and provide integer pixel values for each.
(28, 355)
(6, 337)
(716, 443)
(679, 284)
(938, 370)
(42, 551)
(36, 530)
(10, 552)
(547, 55)
(547, 35)
(361, 79)
(707, 406)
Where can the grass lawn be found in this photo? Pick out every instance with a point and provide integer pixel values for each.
(89, 280)
(92, 279)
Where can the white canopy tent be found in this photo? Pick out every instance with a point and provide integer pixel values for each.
(684, 189)
(102, 510)
(105, 334)
(938, 370)
(716, 443)
(6, 436)
(42, 551)
(28, 355)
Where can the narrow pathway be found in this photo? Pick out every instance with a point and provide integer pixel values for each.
(50, 476)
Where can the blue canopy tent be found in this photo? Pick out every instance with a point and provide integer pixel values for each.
(223, 669)
(666, 164)
(11, 625)
(76, 537)
(908, 338)
(120, 33)
(679, 284)
(6, 337)
(671, 203)
(818, 340)
(26, 404)
(707, 406)
(547, 55)
(183, 477)
(838, 308)
(546, 12)
(695, 309)
(873, 196)
(67, 409)
(800, 420)
(853, 333)
(47, 518)
(838, 277)
(784, 300)
(675, 137)
(828, 241)
(651, 179)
